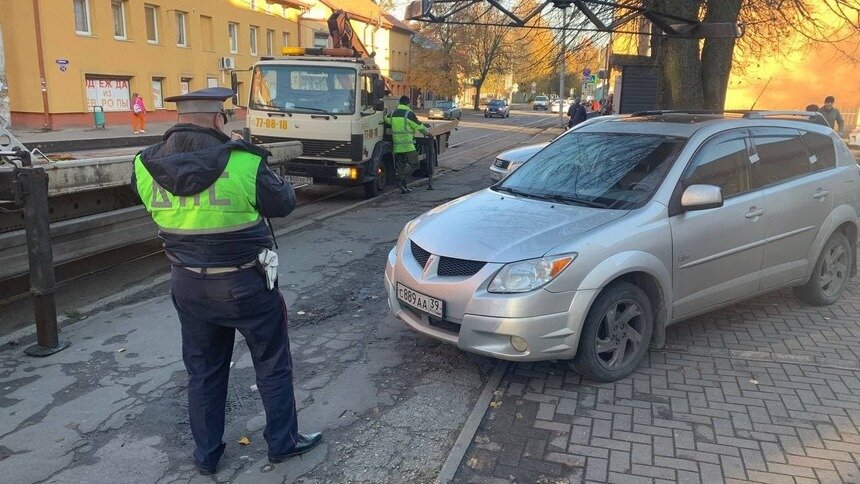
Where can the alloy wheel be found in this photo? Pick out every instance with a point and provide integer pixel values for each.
(619, 337)
(834, 270)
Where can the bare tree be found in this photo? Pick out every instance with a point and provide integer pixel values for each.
(694, 74)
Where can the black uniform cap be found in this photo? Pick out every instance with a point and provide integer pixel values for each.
(210, 100)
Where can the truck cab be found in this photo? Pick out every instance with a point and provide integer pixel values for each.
(333, 105)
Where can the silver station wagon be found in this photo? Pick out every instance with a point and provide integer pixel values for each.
(616, 230)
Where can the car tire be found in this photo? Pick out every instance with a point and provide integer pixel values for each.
(602, 330)
(831, 273)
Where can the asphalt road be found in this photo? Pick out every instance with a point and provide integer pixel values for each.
(476, 139)
(391, 402)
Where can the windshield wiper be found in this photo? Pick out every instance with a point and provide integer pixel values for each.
(317, 110)
(573, 201)
(514, 191)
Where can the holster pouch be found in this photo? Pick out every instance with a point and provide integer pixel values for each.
(267, 263)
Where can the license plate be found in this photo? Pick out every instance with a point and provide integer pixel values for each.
(299, 180)
(420, 301)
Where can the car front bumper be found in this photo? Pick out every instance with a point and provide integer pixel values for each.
(483, 323)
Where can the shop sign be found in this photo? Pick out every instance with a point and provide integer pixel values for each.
(110, 94)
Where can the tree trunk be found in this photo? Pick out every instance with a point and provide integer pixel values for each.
(717, 55)
(679, 77)
(478, 97)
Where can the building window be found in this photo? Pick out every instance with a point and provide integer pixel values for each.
(285, 39)
(253, 4)
(151, 14)
(158, 92)
(270, 42)
(82, 17)
(184, 85)
(181, 37)
(253, 39)
(211, 82)
(233, 33)
(320, 39)
(118, 10)
(207, 34)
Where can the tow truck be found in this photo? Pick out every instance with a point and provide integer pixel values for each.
(333, 100)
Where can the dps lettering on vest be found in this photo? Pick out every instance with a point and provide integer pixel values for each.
(226, 206)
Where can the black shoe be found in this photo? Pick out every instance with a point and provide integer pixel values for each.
(206, 471)
(403, 188)
(304, 443)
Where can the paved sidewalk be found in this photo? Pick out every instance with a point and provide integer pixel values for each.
(764, 391)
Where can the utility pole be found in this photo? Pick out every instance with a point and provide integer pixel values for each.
(562, 68)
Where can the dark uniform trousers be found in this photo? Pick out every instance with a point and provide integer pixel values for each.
(406, 163)
(211, 308)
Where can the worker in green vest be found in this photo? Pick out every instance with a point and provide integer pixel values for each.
(404, 124)
(210, 197)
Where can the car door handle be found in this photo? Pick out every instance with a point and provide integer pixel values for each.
(821, 194)
(753, 213)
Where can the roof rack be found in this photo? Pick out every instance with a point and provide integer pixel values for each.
(808, 116)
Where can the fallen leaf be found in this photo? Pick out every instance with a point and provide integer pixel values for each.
(301, 313)
(472, 462)
(253, 388)
(495, 404)
(519, 415)
(244, 441)
(754, 382)
(120, 350)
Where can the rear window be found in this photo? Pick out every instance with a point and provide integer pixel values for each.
(822, 153)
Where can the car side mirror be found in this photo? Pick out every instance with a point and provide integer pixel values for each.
(701, 197)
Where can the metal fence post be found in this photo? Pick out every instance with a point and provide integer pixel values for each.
(31, 189)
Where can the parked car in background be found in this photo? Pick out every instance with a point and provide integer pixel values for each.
(854, 138)
(445, 110)
(618, 229)
(540, 102)
(497, 107)
(554, 107)
(508, 161)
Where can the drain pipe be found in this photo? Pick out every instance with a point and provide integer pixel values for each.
(43, 84)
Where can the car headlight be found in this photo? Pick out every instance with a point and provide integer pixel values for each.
(528, 275)
(401, 239)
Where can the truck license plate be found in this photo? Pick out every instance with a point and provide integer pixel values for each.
(299, 180)
(420, 301)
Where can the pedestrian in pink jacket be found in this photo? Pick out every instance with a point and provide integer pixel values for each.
(138, 114)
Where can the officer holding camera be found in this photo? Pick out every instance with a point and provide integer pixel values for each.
(210, 197)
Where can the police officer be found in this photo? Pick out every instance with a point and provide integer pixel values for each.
(210, 196)
(404, 124)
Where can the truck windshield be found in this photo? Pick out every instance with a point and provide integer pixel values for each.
(303, 89)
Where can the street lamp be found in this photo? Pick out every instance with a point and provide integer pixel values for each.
(562, 4)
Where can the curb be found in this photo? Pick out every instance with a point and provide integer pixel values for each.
(470, 427)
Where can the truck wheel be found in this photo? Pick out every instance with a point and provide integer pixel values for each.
(830, 274)
(616, 333)
(373, 188)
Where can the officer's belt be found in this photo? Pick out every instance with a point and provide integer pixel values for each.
(220, 270)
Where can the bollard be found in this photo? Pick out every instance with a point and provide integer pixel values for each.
(30, 186)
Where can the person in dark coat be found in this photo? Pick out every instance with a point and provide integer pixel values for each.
(577, 114)
(210, 197)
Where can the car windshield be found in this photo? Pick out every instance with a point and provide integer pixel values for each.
(497, 103)
(541, 98)
(444, 104)
(306, 89)
(606, 170)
